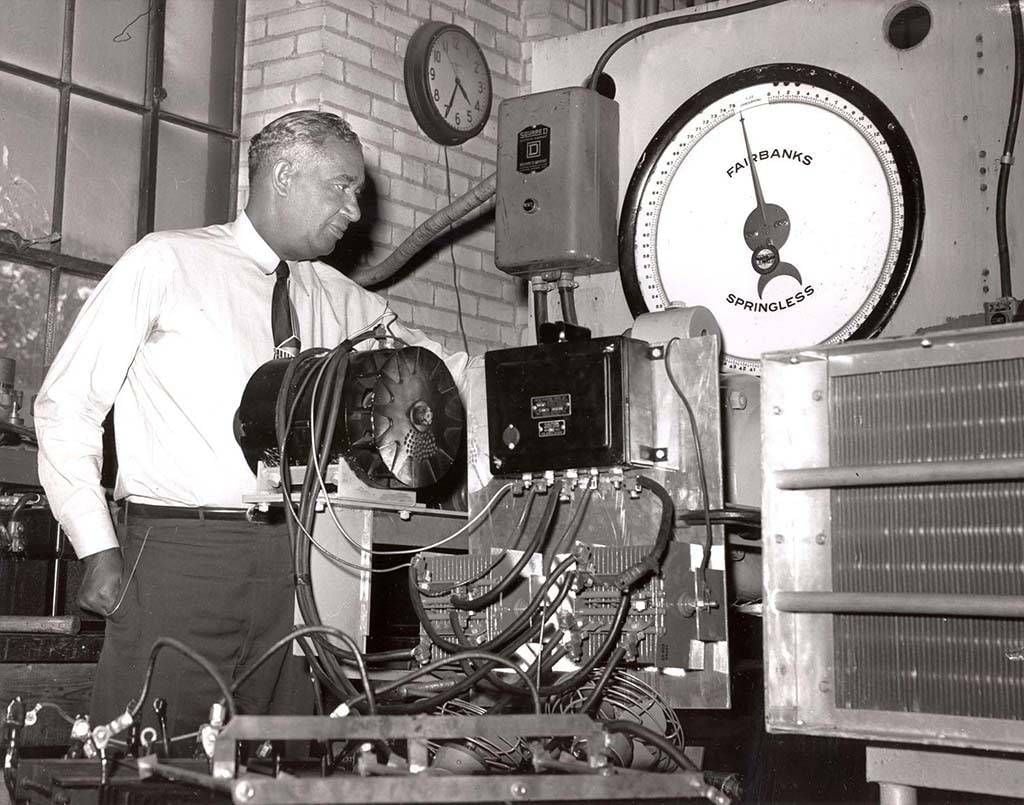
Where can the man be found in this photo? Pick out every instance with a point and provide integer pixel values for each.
(171, 335)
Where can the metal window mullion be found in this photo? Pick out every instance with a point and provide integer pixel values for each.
(236, 109)
(60, 167)
(151, 117)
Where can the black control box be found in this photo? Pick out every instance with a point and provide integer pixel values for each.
(573, 405)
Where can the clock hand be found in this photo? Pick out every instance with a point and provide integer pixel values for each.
(451, 100)
(757, 184)
(462, 89)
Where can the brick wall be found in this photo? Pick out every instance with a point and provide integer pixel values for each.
(346, 56)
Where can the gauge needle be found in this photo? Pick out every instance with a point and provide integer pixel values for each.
(757, 184)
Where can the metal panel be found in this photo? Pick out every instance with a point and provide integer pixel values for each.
(966, 61)
(923, 543)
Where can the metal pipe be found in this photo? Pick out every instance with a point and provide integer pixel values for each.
(861, 603)
(651, 7)
(600, 13)
(630, 10)
(924, 472)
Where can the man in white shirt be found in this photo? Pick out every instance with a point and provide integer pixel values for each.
(171, 335)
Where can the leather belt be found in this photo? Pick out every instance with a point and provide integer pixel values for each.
(250, 515)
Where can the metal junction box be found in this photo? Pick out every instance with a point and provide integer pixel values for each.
(557, 183)
(572, 405)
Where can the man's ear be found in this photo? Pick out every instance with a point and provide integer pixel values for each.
(281, 177)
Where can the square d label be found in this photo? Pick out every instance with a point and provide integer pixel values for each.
(533, 151)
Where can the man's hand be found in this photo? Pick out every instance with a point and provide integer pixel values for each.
(101, 584)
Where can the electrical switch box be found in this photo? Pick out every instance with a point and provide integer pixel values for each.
(557, 186)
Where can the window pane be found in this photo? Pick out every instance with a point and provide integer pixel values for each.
(28, 153)
(23, 322)
(199, 60)
(101, 198)
(110, 46)
(192, 178)
(32, 33)
(72, 291)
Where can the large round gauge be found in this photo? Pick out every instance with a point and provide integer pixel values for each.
(786, 199)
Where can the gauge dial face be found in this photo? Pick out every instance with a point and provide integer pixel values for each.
(787, 200)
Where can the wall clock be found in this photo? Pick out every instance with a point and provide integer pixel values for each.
(787, 199)
(447, 82)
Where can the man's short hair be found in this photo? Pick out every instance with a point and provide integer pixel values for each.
(296, 131)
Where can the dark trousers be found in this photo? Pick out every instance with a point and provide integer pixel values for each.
(223, 588)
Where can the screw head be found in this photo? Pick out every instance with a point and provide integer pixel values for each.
(244, 790)
(820, 539)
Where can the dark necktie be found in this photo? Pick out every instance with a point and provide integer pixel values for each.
(286, 340)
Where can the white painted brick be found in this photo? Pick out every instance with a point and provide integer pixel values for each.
(266, 98)
(309, 92)
(335, 19)
(293, 69)
(482, 284)
(538, 27)
(415, 290)
(401, 5)
(260, 52)
(389, 64)
(260, 8)
(482, 329)
(402, 309)
(412, 194)
(361, 7)
(468, 258)
(395, 20)
(511, 7)
(464, 163)
(390, 162)
(500, 311)
(347, 97)
(394, 213)
(484, 13)
(370, 130)
(300, 20)
(456, 5)
(252, 78)
(413, 170)
(446, 298)
(366, 31)
(417, 146)
(443, 321)
(346, 48)
(420, 9)
(371, 81)
(535, 8)
(310, 42)
(255, 29)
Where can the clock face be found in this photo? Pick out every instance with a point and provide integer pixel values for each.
(787, 200)
(447, 82)
(458, 80)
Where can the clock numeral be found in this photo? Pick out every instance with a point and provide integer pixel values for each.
(437, 95)
(480, 86)
(477, 106)
(476, 68)
(458, 119)
(437, 55)
(433, 74)
(469, 117)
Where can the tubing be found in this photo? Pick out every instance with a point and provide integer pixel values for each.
(926, 472)
(942, 605)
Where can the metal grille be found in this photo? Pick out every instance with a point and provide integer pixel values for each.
(929, 538)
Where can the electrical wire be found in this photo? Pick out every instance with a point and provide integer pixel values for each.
(1009, 141)
(511, 579)
(698, 452)
(451, 251)
(648, 735)
(297, 634)
(593, 702)
(197, 658)
(634, 574)
(429, 668)
(701, 16)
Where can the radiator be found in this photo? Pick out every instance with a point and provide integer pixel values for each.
(894, 539)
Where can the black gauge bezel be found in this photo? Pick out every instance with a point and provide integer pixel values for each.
(417, 91)
(877, 112)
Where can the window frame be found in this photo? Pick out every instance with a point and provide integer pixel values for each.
(52, 258)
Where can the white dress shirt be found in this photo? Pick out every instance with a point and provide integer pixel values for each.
(170, 337)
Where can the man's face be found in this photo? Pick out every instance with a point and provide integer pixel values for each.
(323, 198)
